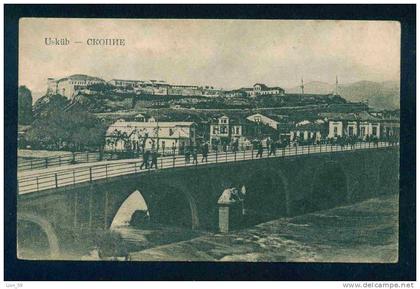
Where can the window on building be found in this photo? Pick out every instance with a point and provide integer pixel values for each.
(238, 130)
(362, 131)
(171, 131)
(374, 130)
(257, 119)
(223, 129)
(335, 131)
(215, 130)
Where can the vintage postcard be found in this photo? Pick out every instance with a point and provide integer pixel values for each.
(208, 140)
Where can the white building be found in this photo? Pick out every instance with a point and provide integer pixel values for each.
(259, 118)
(69, 86)
(133, 135)
(185, 90)
(307, 131)
(125, 82)
(262, 89)
(360, 125)
(225, 130)
(210, 91)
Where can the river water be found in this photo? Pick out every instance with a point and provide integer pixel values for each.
(362, 232)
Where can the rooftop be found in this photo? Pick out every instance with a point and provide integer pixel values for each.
(81, 77)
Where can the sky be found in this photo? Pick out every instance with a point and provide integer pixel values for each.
(223, 53)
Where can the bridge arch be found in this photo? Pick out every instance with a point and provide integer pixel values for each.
(166, 204)
(329, 187)
(45, 226)
(267, 194)
(135, 201)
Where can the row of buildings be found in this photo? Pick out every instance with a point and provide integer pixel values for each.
(71, 85)
(226, 131)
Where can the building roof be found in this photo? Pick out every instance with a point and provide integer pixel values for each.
(120, 123)
(81, 77)
(265, 87)
(232, 120)
(128, 80)
(350, 116)
(257, 130)
(184, 86)
(310, 127)
(262, 115)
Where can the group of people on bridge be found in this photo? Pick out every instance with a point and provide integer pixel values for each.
(150, 157)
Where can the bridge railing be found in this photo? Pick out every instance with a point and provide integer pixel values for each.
(33, 181)
(36, 163)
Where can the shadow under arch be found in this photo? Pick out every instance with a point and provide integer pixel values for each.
(329, 188)
(388, 175)
(267, 195)
(46, 227)
(166, 205)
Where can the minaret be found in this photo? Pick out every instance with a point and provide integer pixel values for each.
(302, 87)
(336, 85)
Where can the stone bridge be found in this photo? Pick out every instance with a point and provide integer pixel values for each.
(187, 196)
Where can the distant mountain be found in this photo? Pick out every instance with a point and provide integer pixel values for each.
(381, 95)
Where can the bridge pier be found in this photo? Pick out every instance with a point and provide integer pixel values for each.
(231, 210)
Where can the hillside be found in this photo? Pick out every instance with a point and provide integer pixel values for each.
(108, 99)
(381, 95)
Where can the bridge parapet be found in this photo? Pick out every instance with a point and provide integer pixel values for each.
(52, 178)
(276, 186)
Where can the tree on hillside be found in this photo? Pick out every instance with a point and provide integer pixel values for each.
(74, 131)
(49, 104)
(24, 105)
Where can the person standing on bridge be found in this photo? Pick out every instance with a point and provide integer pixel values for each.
(154, 159)
(273, 147)
(235, 146)
(194, 155)
(205, 152)
(187, 155)
(146, 155)
(260, 149)
(269, 143)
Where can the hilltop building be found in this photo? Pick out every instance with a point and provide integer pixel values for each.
(262, 89)
(125, 83)
(68, 86)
